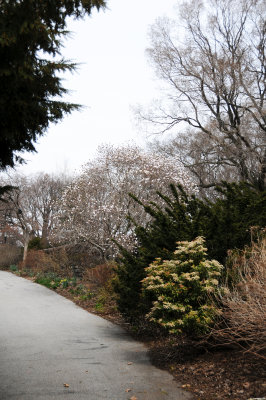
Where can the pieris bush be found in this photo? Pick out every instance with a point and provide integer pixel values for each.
(183, 289)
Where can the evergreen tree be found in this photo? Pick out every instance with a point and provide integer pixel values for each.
(3, 190)
(183, 218)
(224, 224)
(238, 208)
(31, 31)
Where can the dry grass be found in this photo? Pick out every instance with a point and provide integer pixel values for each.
(40, 262)
(100, 275)
(244, 316)
(9, 255)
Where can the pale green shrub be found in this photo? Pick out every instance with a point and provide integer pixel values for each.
(183, 288)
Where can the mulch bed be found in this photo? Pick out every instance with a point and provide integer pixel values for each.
(213, 375)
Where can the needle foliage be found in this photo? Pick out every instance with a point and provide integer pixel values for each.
(31, 34)
(224, 223)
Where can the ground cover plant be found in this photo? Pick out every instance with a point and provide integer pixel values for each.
(93, 291)
(53, 281)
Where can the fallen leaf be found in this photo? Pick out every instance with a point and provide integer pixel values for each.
(246, 385)
(66, 384)
(129, 363)
(128, 390)
(133, 398)
(185, 386)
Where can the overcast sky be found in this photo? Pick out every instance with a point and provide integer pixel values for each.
(114, 75)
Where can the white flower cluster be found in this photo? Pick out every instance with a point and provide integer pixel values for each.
(182, 286)
(95, 205)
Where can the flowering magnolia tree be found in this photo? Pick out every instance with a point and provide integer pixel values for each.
(94, 207)
(182, 289)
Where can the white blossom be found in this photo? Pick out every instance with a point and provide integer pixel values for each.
(95, 205)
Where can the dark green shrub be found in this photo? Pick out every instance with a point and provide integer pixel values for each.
(35, 244)
(183, 218)
(238, 208)
(224, 224)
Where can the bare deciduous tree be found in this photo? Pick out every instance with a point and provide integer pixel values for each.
(29, 207)
(213, 62)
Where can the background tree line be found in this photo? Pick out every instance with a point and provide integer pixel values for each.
(91, 207)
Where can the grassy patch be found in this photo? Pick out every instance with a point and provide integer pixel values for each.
(49, 282)
(13, 268)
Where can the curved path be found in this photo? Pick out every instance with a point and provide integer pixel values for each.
(46, 341)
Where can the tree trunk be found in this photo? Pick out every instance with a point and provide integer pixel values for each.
(262, 178)
(27, 237)
(25, 251)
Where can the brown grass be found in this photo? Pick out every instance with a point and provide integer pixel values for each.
(9, 255)
(38, 261)
(100, 275)
(244, 316)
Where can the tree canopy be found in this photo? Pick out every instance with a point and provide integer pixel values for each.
(31, 33)
(28, 207)
(212, 60)
(94, 207)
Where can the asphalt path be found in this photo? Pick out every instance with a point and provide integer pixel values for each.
(52, 349)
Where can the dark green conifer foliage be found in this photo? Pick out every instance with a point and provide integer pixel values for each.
(3, 190)
(183, 218)
(30, 88)
(239, 207)
(224, 223)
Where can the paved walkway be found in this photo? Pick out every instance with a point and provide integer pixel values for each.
(46, 341)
